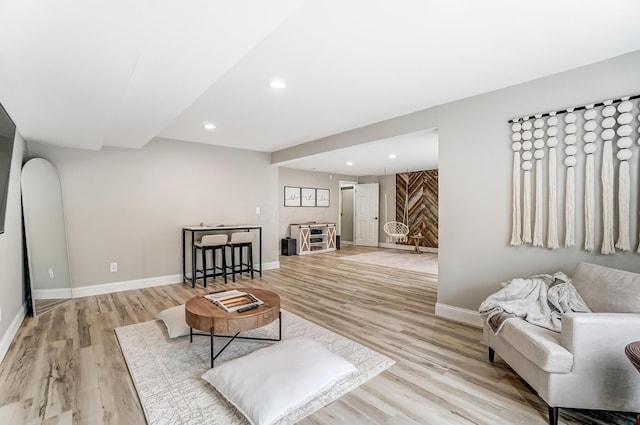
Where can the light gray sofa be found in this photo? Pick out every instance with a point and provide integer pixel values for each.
(584, 366)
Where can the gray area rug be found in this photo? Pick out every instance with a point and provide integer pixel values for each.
(425, 262)
(167, 372)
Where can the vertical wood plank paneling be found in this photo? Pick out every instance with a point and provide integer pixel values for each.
(420, 188)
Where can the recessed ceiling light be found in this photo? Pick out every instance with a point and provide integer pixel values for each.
(392, 156)
(278, 84)
(209, 125)
(349, 163)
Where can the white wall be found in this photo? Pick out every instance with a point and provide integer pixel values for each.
(128, 206)
(475, 186)
(12, 293)
(475, 176)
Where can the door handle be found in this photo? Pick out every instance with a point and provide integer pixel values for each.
(375, 218)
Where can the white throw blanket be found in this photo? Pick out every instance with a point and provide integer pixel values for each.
(540, 300)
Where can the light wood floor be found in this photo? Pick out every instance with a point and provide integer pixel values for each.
(43, 306)
(66, 367)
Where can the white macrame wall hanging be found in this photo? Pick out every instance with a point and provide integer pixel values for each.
(531, 136)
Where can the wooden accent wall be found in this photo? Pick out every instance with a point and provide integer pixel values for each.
(422, 206)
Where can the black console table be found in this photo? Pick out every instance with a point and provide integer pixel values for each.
(212, 229)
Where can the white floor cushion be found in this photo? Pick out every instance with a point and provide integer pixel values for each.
(174, 320)
(267, 384)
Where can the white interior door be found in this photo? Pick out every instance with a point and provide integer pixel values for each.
(366, 214)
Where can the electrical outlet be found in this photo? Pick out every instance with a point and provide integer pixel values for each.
(257, 210)
(51, 275)
(113, 267)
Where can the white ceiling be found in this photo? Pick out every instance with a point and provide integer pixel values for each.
(94, 73)
(413, 152)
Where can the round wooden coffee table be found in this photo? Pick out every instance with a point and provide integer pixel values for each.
(203, 315)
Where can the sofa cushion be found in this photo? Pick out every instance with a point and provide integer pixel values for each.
(607, 290)
(539, 345)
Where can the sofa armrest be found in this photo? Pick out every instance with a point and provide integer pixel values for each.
(599, 338)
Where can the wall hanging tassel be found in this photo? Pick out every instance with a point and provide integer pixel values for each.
(624, 179)
(570, 188)
(570, 203)
(552, 142)
(638, 250)
(589, 205)
(589, 187)
(538, 154)
(607, 179)
(624, 191)
(526, 203)
(526, 166)
(516, 213)
(537, 222)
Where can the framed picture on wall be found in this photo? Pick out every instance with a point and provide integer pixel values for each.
(308, 197)
(291, 196)
(322, 197)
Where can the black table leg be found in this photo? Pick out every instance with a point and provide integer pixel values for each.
(212, 348)
(279, 326)
(193, 260)
(260, 248)
(184, 257)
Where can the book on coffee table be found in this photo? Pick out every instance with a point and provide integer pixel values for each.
(234, 300)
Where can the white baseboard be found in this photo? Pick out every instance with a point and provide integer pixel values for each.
(7, 338)
(458, 314)
(271, 266)
(52, 294)
(407, 247)
(107, 288)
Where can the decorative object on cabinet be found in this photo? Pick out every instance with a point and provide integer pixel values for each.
(605, 131)
(291, 196)
(314, 237)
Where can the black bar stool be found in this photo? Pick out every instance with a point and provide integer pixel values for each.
(239, 241)
(212, 243)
